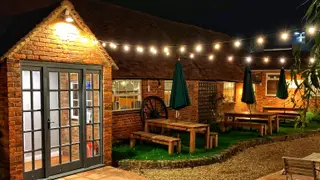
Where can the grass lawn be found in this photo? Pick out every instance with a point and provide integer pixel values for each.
(151, 151)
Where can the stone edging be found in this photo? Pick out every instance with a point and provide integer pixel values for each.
(219, 157)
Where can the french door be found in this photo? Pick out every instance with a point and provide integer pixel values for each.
(61, 118)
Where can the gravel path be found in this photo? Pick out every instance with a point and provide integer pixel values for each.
(250, 164)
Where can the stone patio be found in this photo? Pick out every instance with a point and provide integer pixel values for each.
(278, 176)
(105, 173)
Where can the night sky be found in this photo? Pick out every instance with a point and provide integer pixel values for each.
(244, 18)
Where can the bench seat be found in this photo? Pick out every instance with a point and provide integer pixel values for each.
(171, 142)
(261, 127)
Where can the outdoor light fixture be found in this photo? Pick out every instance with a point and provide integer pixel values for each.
(260, 40)
(153, 50)
(126, 48)
(210, 57)
(248, 59)
(282, 60)
(140, 49)
(284, 36)
(237, 44)
(68, 18)
(217, 46)
(230, 58)
(312, 60)
(198, 48)
(266, 59)
(312, 30)
(191, 55)
(182, 49)
(113, 45)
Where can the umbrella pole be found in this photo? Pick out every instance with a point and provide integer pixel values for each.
(284, 111)
(250, 115)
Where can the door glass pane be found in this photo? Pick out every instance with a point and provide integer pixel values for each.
(54, 137)
(26, 100)
(27, 121)
(54, 119)
(89, 149)
(53, 80)
(64, 80)
(96, 115)
(89, 132)
(64, 117)
(75, 116)
(65, 136)
(65, 154)
(96, 148)
(75, 152)
(54, 100)
(89, 98)
(88, 81)
(38, 160)
(95, 81)
(27, 162)
(74, 81)
(64, 99)
(26, 80)
(37, 120)
(74, 99)
(96, 131)
(55, 157)
(36, 79)
(75, 134)
(27, 141)
(89, 115)
(96, 98)
(36, 100)
(37, 140)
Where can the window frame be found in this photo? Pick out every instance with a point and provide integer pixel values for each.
(139, 94)
(267, 79)
(234, 92)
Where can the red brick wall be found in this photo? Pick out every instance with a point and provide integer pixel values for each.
(45, 45)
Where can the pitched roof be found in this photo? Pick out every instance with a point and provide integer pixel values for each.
(113, 23)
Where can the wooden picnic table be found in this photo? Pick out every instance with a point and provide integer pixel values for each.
(313, 157)
(181, 126)
(274, 108)
(263, 116)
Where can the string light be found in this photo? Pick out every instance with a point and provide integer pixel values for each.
(140, 49)
(312, 30)
(282, 60)
(217, 46)
(167, 54)
(210, 57)
(153, 50)
(126, 48)
(199, 48)
(266, 59)
(312, 60)
(182, 49)
(248, 59)
(191, 56)
(237, 43)
(104, 44)
(260, 40)
(166, 49)
(230, 58)
(284, 36)
(113, 45)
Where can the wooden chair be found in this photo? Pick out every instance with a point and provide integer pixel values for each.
(297, 166)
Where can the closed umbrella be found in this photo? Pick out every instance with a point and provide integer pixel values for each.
(248, 92)
(282, 91)
(179, 93)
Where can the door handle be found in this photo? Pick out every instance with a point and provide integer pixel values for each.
(49, 123)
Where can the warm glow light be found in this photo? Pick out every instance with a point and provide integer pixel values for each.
(237, 44)
(66, 31)
(165, 49)
(191, 55)
(210, 57)
(113, 45)
(69, 19)
(312, 30)
(248, 59)
(260, 40)
(266, 59)
(198, 48)
(84, 40)
(230, 58)
(153, 50)
(312, 60)
(182, 49)
(104, 44)
(95, 42)
(167, 54)
(217, 46)
(282, 60)
(140, 49)
(126, 48)
(284, 36)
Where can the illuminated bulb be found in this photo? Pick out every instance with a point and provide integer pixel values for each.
(104, 44)
(140, 49)
(182, 49)
(167, 54)
(312, 60)
(211, 56)
(284, 36)
(113, 45)
(84, 40)
(237, 44)
(312, 30)
(266, 60)
(69, 19)
(165, 49)
(126, 48)
(260, 40)
(198, 48)
(230, 58)
(153, 50)
(95, 42)
(249, 59)
(191, 55)
(282, 60)
(217, 46)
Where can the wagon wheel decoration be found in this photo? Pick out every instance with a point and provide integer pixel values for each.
(153, 107)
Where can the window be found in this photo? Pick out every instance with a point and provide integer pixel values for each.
(272, 84)
(229, 91)
(74, 100)
(126, 94)
(167, 91)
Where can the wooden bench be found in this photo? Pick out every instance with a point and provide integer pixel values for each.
(261, 127)
(302, 166)
(213, 140)
(171, 142)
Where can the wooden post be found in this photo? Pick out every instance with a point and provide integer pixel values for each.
(170, 148)
(146, 126)
(270, 124)
(132, 142)
(261, 130)
(216, 137)
(162, 130)
(208, 138)
(179, 146)
(277, 123)
(192, 140)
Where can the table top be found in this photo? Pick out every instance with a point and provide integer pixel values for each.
(280, 108)
(313, 157)
(179, 123)
(232, 113)
(289, 113)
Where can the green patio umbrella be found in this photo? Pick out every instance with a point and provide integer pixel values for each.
(179, 93)
(248, 92)
(282, 91)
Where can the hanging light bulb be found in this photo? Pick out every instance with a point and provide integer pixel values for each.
(217, 46)
(153, 50)
(282, 60)
(104, 44)
(260, 40)
(237, 43)
(113, 45)
(284, 36)
(191, 56)
(230, 58)
(140, 49)
(167, 53)
(312, 60)
(211, 57)
(198, 48)
(266, 59)
(182, 49)
(312, 30)
(126, 48)
(248, 59)
(166, 49)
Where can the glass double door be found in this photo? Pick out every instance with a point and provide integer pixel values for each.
(61, 120)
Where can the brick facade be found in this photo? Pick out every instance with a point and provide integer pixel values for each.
(46, 45)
